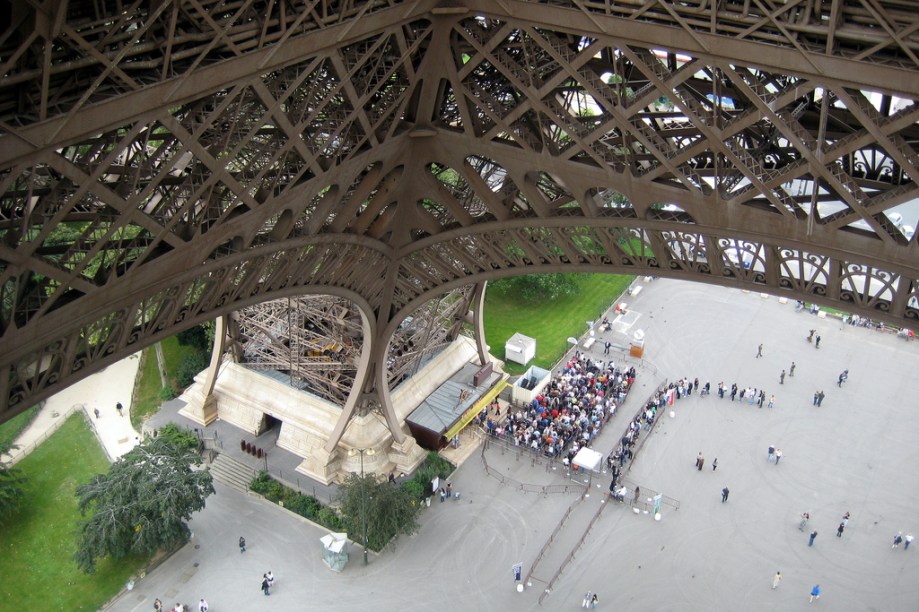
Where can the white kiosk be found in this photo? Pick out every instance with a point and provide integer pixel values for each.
(520, 349)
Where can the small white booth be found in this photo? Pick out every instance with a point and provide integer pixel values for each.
(335, 550)
(531, 384)
(586, 461)
(520, 349)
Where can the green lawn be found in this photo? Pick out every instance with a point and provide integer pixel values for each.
(550, 324)
(148, 399)
(36, 564)
(10, 430)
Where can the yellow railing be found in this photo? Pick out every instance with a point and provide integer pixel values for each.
(476, 407)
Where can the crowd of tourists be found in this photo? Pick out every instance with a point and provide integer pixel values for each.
(570, 411)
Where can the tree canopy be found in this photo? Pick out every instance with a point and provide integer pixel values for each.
(537, 287)
(11, 480)
(389, 510)
(142, 503)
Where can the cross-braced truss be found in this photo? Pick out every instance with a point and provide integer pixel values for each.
(317, 340)
(163, 163)
(314, 339)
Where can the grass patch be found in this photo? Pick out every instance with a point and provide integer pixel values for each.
(10, 430)
(39, 541)
(147, 401)
(550, 323)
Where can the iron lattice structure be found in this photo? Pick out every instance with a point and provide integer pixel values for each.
(164, 163)
(317, 340)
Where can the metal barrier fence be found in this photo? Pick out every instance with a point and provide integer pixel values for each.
(658, 417)
(18, 454)
(570, 555)
(545, 546)
(574, 487)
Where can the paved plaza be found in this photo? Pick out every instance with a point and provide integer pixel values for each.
(854, 454)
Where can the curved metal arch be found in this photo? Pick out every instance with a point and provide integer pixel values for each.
(45, 371)
(204, 174)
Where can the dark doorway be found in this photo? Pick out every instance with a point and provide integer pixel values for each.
(271, 423)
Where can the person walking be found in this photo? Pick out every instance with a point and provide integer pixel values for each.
(724, 494)
(803, 523)
(96, 412)
(594, 601)
(815, 593)
(776, 580)
(840, 529)
(157, 605)
(820, 396)
(265, 585)
(897, 539)
(270, 577)
(588, 597)
(733, 391)
(242, 544)
(817, 342)
(907, 540)
(791, 370)
(771, 452)
(759, 351)
(782, 378)
(715, 464)
(701, 461)
(202, 606)
(813, 536)
(119, 408)
(771, 403)
(778, 455)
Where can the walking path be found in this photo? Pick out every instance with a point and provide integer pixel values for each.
(102, 391)
(853, 454)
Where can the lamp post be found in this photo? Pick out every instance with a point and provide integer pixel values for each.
(351, 453)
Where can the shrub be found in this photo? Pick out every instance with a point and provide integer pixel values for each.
(439, 465)
(190, 366)
(304, 505)
(182, 436)
(167, 393)
(197, 337)
(261, 482)
(434, 466)
(328, 518)
(414, 488)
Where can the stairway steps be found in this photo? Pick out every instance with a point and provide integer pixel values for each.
(231, 473)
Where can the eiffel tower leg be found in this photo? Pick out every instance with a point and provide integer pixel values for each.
(202, 407)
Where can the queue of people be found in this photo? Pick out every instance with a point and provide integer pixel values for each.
(571, 410)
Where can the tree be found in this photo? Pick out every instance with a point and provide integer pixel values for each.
(142, 504)
(388, 509)
(537, 287)
(11, 480)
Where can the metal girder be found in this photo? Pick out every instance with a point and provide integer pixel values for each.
(392, 152)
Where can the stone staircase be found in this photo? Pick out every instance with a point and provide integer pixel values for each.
(231, 472)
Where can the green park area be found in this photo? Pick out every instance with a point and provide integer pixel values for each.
(550, 323)
(182, 361)
(10, 430)
(39, 540)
